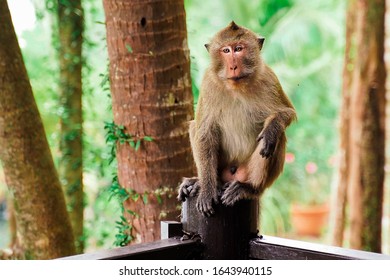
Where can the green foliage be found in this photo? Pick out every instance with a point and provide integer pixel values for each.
(123, 237)
(116, 134)
(117, 191)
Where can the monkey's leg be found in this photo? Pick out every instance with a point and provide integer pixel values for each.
(188, 188)
(262, 172)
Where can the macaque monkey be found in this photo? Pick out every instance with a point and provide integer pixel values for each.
(238, 135)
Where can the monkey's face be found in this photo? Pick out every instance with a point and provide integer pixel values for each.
(235, 53)
(235, 63)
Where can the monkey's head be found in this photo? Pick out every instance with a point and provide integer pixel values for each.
(235, 53)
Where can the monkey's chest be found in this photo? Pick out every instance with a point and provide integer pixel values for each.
(238, 135)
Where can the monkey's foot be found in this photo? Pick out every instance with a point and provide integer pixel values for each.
(235, 191)
(188, 188)
(204, 204)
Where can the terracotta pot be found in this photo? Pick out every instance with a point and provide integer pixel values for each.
(309, 220)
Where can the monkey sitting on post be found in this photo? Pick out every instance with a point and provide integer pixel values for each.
(238, 135)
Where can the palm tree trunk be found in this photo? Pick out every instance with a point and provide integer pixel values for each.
(341, 198)
(364, 130)
(152, 100)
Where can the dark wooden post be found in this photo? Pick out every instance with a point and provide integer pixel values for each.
(226, 234)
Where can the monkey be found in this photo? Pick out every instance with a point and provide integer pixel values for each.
(238, 136)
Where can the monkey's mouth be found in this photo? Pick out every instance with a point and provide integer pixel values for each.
(238, 78)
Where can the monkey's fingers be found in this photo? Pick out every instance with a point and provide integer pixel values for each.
(182, 195)
(193, 190)
(268, 149)
(205, 205)
(184, 192)
(188, 188)
(232, 193)
(265, 153)
(205, 209)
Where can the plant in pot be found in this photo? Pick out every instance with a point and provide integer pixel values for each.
(310, 208)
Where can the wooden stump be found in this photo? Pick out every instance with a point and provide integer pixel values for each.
(226, 234)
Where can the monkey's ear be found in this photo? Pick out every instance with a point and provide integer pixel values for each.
(261, 40)
(207, 47)
(233, 26)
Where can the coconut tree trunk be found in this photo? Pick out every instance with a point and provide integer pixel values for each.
(70, 27)
(364, 130)
(42, 220)
(344, 159)
(152, 102)
(12, 224)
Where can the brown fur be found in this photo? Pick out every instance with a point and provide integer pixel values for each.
(238, 136)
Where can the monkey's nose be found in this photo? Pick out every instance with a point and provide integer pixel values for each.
(233, 68)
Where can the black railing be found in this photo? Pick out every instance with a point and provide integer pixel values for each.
(229, 234)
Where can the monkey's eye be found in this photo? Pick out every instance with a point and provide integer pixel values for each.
(238, 48)
(226, 50)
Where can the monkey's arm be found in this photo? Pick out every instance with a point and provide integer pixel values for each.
(274, 126)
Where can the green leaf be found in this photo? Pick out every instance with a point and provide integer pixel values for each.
(145, 198)
(132, 144)
(129, 48)
(148, 138)
(111, 138)
(132, 213)
(159, 199)
(108, 125)
(135, 197)
(137, 145)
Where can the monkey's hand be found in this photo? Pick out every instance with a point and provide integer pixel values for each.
(188, 188)
(270, 139)
(204, 203)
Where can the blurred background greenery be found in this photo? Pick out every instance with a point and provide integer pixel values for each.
(304, 46)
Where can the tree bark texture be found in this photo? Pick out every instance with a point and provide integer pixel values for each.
(42, 220)
(363, 132)
(70, 25)
(344, 157)
(151, 94)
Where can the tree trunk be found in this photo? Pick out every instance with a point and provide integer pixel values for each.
(344, 158)
(152, 100)
(42, 220)
(12, 223)
(70, 25)
(365, 77)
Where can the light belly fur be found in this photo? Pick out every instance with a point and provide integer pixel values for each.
(238, 133)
